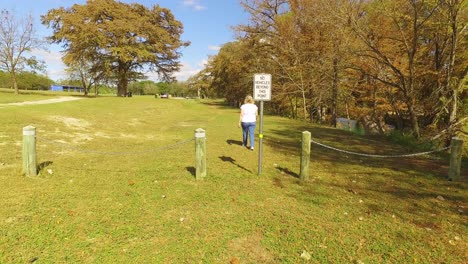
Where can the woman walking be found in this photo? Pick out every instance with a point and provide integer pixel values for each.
(247, 120)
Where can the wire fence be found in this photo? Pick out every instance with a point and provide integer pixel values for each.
(68, 146)
(115, 153)
(377, 155)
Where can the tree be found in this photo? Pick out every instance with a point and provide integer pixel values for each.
(200, 84)
(450, 56)
(119, 39)
(82, 70)
(17, 38)
(391, 31)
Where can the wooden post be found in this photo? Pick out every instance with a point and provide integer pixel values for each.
(305, 156)
(200, 154)
(455, 158)
(29, 151)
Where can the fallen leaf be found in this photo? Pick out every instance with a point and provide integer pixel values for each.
(71, 213)
(306, 255)
(130, 182)
(234, 261)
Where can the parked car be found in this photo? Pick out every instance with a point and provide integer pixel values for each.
(165, 95)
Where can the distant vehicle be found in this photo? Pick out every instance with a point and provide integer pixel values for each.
(165, 96)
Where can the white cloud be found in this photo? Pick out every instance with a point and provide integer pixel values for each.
(194, 4)
(53, 60)
(199, 7)
(213, 47)
(185, 72)
(203, 63)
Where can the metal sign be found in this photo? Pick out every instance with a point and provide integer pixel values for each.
(262, 87)
(262, 92)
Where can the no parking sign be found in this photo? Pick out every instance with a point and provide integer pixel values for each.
(262, 92)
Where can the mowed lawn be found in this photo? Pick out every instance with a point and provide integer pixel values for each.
(117, 185)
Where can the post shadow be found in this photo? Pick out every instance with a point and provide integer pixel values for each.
(191, 170)
(43, 165)
(233, 161)
(288, 172)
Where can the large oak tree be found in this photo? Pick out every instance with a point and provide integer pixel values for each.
(120, 40)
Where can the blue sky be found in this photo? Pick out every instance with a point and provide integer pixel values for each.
(207, 25)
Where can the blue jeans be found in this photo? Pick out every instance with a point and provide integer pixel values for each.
(248, 128)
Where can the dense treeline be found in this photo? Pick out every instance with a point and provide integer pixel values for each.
(399, 62)
(147, 87)
(26, 81)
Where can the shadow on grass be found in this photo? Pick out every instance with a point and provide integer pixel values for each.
(233, 161)
(289, 140)
(418, 178)
(43, 165)
(234, 142)
(288, 172)
(191, 170)
(218, 104)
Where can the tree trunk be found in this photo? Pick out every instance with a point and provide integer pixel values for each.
(334, 92)
(85, 86)
(414, 120)
(453, 12)
(14, 83)
(123, 81)
(304, 104)
(399, 119)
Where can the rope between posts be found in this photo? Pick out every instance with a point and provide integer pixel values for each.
(117, 153)
(377, 155)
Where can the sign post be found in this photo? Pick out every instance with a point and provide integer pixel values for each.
(262, 92)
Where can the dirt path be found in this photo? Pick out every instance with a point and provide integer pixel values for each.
(48, 101)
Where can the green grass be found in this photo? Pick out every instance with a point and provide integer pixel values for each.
(148, 208)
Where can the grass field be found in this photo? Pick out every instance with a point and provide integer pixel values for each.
(114, 188)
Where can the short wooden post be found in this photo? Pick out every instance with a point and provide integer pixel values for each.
(200, 154)
(455, 158)
(29, 151)
(305, 156)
